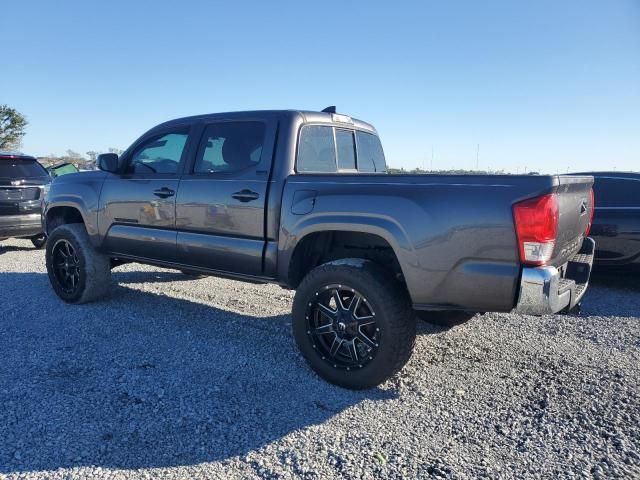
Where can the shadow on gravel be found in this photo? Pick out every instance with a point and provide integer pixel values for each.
(124, 278)
(13, 248)
(613, 294)
(626, 279)
(142, 380)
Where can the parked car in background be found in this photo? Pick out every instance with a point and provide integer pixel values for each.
(303, 199)
(62, 169)
(23, 184)
(616, 223)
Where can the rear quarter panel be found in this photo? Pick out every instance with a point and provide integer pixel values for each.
(453, 236)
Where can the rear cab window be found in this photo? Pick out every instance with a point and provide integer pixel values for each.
(329, 149)
(346, 149)
(370, 153)
(21, 168)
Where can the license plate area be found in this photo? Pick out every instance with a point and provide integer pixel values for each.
(18, 194)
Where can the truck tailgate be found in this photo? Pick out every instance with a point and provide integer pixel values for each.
(575, 204)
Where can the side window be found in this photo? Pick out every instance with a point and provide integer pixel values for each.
(346, 149)
(316, 150)
(230, 147)
(370, 153)
(160, 154)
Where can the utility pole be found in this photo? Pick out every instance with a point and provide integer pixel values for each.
(431, 168)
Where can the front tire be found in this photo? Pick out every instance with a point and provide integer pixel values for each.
(77, 272)
(353, 323)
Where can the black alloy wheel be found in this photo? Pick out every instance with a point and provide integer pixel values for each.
(353, 323)
(66, 266)
(342, 326)
(77, 271)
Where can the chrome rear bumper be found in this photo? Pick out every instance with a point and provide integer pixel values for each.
(546, 290)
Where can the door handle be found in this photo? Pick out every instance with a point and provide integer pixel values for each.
(246, 195)
(164, 192)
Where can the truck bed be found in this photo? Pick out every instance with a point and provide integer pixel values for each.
(454, 235)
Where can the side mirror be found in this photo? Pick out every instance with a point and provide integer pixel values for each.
(108, 162)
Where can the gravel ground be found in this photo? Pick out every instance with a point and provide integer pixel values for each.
(177, 378)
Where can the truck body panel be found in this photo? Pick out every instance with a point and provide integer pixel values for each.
(454, 237)
(616, 223)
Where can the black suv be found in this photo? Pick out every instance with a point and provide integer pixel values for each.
(23, 184)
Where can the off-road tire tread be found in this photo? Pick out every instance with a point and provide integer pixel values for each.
(396, 305)
(97, 265)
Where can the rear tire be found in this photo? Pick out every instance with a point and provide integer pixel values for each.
(373, 343)
(39, 241)
(192, 274)
(77, 272)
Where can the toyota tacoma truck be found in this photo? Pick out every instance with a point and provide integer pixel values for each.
(303, 199)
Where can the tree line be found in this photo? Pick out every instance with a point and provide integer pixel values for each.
(457, 171)
(13, 126)
(82, 162)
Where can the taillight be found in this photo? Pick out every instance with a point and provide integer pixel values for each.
(593, 209)
(536, 223)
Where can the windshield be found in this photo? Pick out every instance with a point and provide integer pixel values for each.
(21, 168)
(63, 170)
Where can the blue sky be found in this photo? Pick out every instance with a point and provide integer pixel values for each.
(541, 85)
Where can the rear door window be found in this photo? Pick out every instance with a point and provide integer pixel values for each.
(229, 147)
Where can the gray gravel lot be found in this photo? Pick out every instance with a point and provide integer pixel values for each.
(178, 378)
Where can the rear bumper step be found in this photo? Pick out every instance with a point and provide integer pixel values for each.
(544, 290)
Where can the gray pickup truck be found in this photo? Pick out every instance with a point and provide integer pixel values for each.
(302, 199)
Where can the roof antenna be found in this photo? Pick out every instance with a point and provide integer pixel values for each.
(331, 109)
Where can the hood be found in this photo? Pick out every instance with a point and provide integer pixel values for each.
(80, 176)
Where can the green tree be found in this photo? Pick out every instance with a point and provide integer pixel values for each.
(12, 127)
